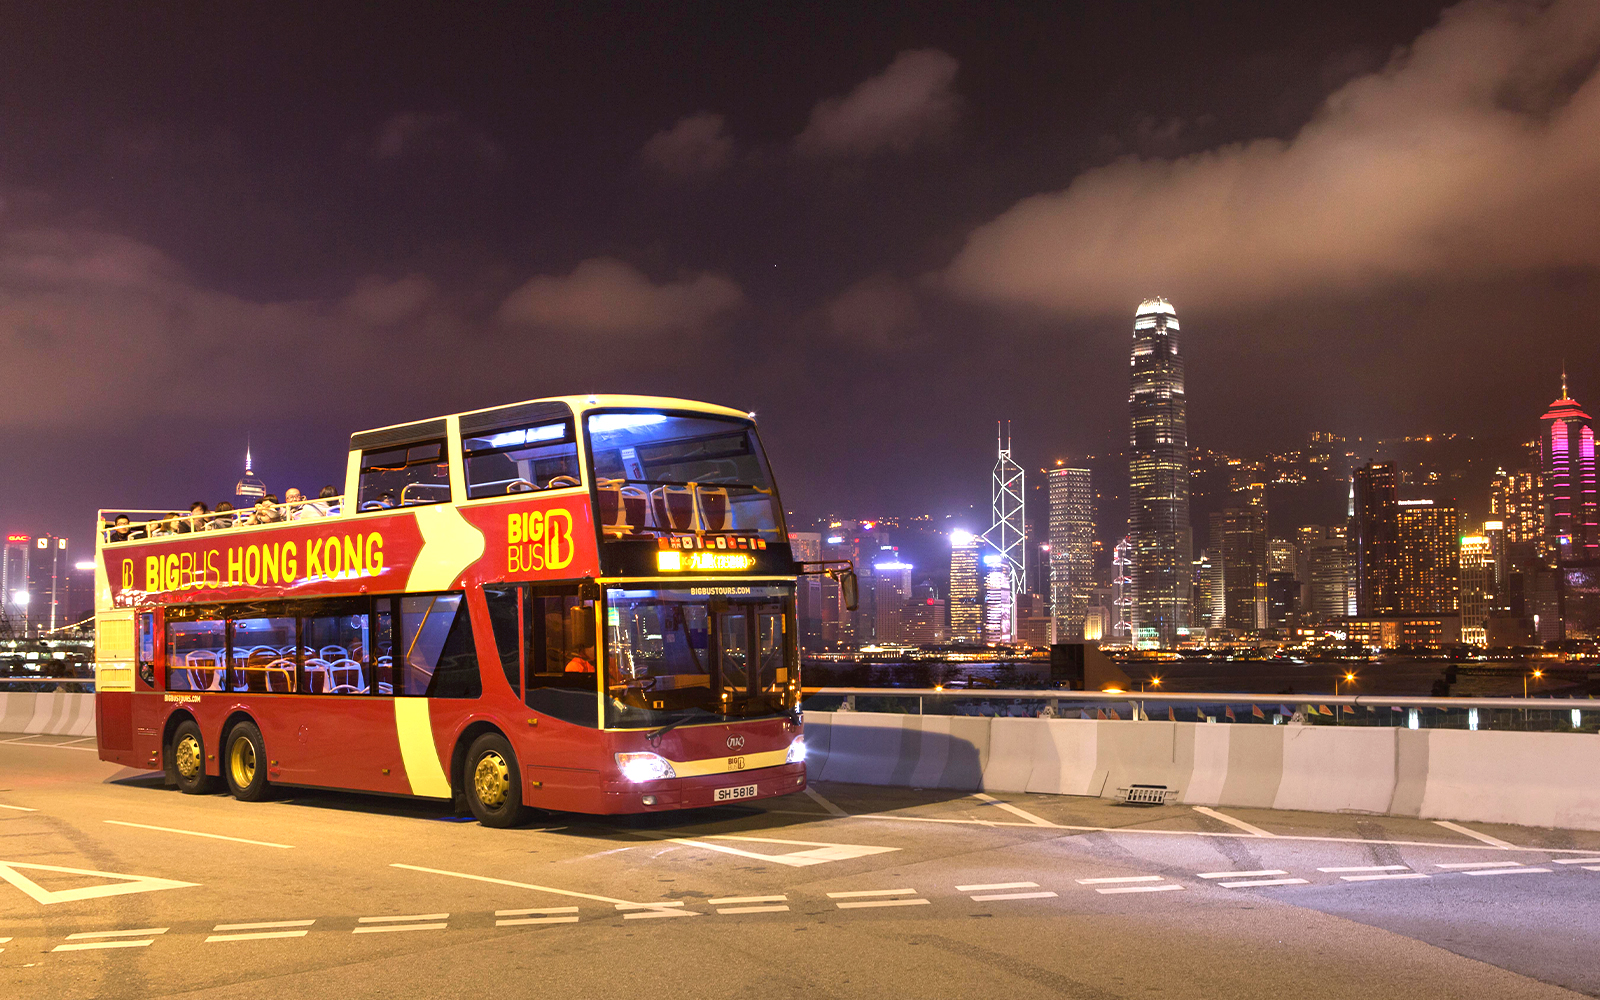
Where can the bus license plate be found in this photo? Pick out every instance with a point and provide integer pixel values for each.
(730, 794)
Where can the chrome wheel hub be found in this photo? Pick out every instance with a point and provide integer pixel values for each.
(492, 780)
(187, 757)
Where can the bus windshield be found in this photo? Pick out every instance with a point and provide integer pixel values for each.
(715, 652)
(661, 474)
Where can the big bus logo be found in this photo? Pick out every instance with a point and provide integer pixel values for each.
(538, 540)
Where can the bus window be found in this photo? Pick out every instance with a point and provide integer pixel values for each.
(404, 476)
(560, 678)
(197, 654)
(439, 658)
(147, 650)
(265, 655)
(504, 604)
(382, 657)
(336, 653)
(521, 459)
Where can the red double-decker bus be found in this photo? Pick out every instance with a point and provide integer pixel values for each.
(579, 603)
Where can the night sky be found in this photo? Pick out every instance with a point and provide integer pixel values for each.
(881, 227)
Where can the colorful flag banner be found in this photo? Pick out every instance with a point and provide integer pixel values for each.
(1228, 711)
(1256, 711)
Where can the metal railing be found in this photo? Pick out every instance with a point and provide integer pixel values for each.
(1528, 714)
(170, 523)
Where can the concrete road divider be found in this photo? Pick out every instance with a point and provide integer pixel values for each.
(54, 712)
(1530, 779)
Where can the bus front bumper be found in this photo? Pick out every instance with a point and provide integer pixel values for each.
(623, 796)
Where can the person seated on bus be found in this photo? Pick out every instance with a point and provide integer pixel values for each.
(125, 531)
(168, 525)
(328, 500)
(224, 518)
(197, 516)
(582, 661)
(294, 505)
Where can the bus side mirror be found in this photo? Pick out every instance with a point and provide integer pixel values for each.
(850, 589)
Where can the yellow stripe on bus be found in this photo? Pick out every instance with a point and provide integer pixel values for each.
(732, 763)
(417, 751)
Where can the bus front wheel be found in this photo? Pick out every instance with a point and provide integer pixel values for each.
(186, 760)
(493, 784)
(245, 763)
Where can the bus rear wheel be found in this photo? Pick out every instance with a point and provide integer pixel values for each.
(493, 784)
(245, 763)
(186, 760)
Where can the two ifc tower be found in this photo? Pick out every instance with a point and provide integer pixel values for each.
(1157, 589)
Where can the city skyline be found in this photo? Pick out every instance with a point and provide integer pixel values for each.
(876, 203)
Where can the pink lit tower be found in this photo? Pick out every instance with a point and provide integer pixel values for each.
(1572, 529)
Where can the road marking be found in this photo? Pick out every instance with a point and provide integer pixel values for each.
(26, 742)
(255, 936)
(541, 912)
(1509, 871)
(396, 920)
(1480, 864)
(523, 921)
(20, 809)
(1124, 878)
(1591, 868)
(1367, 868)
(196, 833)
(818, 853)
(648, 906)
(862, 904)
(997, 885)
(1577, 861)
(81, 739)
(519, 885)
(1013, 810)
(124, 885)
(385, 928)
(94, 945)
(1254, 831)
(818, 798)
(753, 909)
(1475, 835)
(1304, 838)
(653, 914)
(1263, 881)
(871, 892)
(1012, 895)
(264, 926)
(1264, 871)
(1169, 887)
(737, 900)
(82, 941)
(136, 932)
(1380, 878)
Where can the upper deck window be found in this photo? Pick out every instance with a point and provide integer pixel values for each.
(540, 456)
(404, 476)
(664, 473)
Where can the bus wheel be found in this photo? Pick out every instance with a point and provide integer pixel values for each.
(186, 756)
(494, 788)
(246, 763)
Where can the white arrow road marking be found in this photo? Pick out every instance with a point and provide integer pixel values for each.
(817, 853)
(124, 884)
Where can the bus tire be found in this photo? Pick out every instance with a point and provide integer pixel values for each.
(244, 763)
(186, 760)
(493, 783)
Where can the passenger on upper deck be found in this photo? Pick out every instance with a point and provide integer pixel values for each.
(224, 519)
(124, 531)
(197, 516)
(266, 511)
(169, 525)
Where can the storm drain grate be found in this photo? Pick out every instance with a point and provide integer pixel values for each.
(1146, 795)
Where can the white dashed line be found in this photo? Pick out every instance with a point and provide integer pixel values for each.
(1475, 835)
(81, 944)
(93, 945)
(570, 918)
(1262, 881)
(736, 900)
(20, 809)
(864, 903)
(1458, 866)
(648, 906)
(1013, 895)
(779, 908)
(266, 926)
(872, 892)
(1125, 878)
(1509, 871)
(1368, 868)
(997, 885)
(260, 936)
(1578, 861)
(1264, 871)
(1381, 878)
(196, 833)
(140, 932)
(1168, 887)
(395, 920)
(1591, 868)
(385, 925)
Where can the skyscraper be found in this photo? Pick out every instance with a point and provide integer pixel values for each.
(1515, 501)
(1158, 514)
(1571, 529)
(1239, 544)
(1429, 576)
(1325, 572)
(1477, 587)
(249, 487)
(47, 584)
(14, 581)
(1071, 550)
(1375, 525)
(966, 588)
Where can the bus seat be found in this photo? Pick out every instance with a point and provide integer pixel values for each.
(277, 677)
(673, 507)
(716, 513)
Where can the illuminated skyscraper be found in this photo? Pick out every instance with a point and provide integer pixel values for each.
(1429, 575)
(1071, 551)
(1008, 530)
(966, 588)
(1515, 501)
(1239, 546)
(14, 594)
(249, 487)
(999, 604)
(1567, 452)
(1375, 525)
(1477, 587)
(1158, 514)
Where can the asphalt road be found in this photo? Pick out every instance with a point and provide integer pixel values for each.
(852, 892)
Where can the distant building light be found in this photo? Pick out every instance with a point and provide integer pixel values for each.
(20, 596)
(1494, 526)
(85, 565)
(1416, 503)
(961, 538)
(835, 539)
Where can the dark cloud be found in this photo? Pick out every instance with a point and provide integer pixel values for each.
(1472, 151)
(696, 146)
(607, 297)
(908, 102)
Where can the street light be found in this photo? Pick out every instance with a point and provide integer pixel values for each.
(1537, 674)
(1349, 678)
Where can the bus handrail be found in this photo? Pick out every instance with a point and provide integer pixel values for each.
(331, 506)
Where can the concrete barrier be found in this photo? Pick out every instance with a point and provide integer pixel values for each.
(1529, 779)
(47, 712)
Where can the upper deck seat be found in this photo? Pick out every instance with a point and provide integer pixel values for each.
(622, 509)
(673, 508)
(716, 512)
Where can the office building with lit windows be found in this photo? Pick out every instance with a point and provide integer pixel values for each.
(1159, 532)
(966, 588)
(1477, 587)
(1239, 547)
(1375, 525)
(1429, 576)
(1071, 551)
(1571, 529)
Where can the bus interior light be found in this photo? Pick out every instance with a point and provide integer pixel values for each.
(645, 766)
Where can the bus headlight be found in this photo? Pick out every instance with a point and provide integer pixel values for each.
(797, 751)
(645, 766)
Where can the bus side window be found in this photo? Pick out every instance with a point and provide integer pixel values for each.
(382, 657)
(436, 641)
(504, 602)
(147, 650)
(197, 655)
(560, 664)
